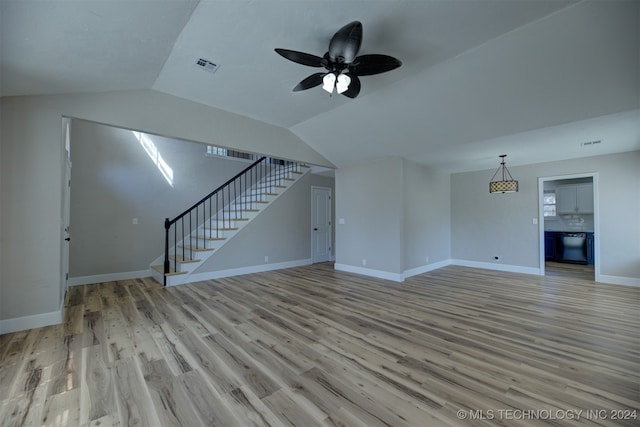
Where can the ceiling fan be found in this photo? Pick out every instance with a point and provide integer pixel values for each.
(342, 65)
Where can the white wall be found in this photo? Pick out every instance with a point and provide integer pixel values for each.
(484, 225)
(32, 174)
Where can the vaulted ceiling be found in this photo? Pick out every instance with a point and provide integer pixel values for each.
(528, 78)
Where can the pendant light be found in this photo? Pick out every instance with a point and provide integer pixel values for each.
(505, 185)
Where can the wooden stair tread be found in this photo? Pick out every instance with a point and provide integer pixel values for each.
(211, 238)
(194, 249)
(222, 228)
(182, 260)
(172, 272)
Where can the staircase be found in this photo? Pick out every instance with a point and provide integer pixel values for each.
(199, 232)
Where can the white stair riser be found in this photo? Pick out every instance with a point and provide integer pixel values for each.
(257, 198)
(263, 191)
(223, 223)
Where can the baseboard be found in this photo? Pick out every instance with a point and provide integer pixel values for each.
(619, 280)
(29, 322)
(494, 266)
(426, 268)
(369, 272)
(111, 277)
(392, 276)
(210, 275)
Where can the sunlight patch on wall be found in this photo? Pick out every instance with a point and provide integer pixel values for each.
(155, 156)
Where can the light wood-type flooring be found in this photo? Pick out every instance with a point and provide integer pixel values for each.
(311, 346)
(554, 268)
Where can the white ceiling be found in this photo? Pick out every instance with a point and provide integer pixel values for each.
(528, 78)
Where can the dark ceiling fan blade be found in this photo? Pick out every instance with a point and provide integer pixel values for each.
(367, 65)
(312, 81)
(302, 58)
(345, 43)
(354, 87)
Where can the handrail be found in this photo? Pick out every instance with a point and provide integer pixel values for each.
(208, 196)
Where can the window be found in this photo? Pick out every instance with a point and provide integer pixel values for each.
(215, 151)
(549, 204)
(212, 150)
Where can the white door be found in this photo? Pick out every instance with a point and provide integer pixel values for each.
(66, 208)
(320, 224)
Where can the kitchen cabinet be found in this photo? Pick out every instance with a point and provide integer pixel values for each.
(550, 243)
(575, 199)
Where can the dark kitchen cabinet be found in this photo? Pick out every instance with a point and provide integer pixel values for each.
(550, 244)
(590, 249)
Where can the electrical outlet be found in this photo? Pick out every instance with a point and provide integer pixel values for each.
(364, 262)
(266, 259)
(134, 221)
(426, 259)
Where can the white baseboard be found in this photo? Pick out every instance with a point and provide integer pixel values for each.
(392, 276)
(369, 272)
(111, 277)
(426, 268)
(210, 275)
(30, 322)
(495, 266)
(619, 280)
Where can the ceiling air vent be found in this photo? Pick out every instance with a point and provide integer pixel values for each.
(589, 143)
(206, 65)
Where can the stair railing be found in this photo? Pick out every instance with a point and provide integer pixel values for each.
(220, 208)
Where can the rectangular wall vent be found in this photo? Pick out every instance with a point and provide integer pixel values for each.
(588, 143)
(206, 65)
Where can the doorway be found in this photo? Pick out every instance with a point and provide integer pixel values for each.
(320, 224)
(66, 208)
(568, 228)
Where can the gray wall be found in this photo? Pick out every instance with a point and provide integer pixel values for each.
(114, 180)
(396, 214)
(427, 216)
(484, 225)
(369, 198)
(32, 168)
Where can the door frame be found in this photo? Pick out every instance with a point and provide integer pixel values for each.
(596, 217)
(66, 208)
(329, 189)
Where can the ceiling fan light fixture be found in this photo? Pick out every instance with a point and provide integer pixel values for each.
(341, 58)
(328, 82)
(342, 83)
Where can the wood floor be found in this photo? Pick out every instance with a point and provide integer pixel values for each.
(582, 271)
(311, 346)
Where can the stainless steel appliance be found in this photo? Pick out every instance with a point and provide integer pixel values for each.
(573, 248)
